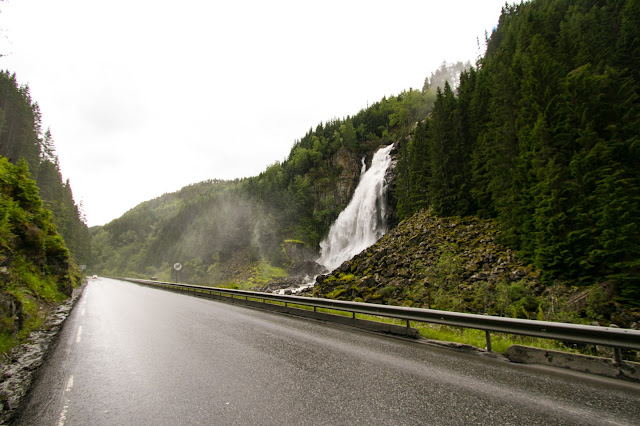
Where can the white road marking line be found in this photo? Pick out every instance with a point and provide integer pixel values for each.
(79, 335)
(82, 312)
(69, 384)
(63, 414)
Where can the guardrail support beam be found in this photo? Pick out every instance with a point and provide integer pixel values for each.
(611, 337)
(617, 356)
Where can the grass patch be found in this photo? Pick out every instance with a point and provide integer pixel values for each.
(261, 275)
(6, 342)
(43, 287)
(500, 342)
(33, 315)
(231, 285)
(34, 294)
(305, 307)
(334, 312)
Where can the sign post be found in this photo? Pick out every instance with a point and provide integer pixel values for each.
(177, 267)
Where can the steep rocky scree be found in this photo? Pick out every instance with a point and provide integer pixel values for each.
(457, 264)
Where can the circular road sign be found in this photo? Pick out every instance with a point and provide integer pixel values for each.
(177, 266)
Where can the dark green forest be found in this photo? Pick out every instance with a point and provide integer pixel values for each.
(544, 136)
(540, 136)
(22, 138)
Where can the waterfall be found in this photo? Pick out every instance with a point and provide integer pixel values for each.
(363, 222)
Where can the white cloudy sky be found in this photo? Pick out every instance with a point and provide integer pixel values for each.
(144, 97)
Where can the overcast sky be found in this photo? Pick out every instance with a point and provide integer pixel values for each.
(144, 97)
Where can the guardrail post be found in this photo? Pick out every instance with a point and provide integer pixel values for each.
(488, 337)
(617, 356)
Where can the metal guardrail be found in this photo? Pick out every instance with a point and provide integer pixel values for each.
(617, 338)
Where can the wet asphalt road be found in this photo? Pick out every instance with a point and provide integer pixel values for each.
(133, 355)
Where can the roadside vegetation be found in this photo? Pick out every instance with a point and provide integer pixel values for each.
(37, 270)
(43, 236)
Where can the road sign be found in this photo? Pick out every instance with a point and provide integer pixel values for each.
(177, 266)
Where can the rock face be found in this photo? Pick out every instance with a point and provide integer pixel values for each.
(390, 179)
(296, 252)
(11, 312)
(350, 166)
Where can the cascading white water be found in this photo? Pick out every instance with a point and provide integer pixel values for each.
(363, 222)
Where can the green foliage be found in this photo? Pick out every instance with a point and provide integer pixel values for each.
(543, 136)
(338, 293)
(20, 121)
(500, 342)
(22, 139)
(598, 306)
(7, 341)
(44, 287)
(262, 274)
(36, 268)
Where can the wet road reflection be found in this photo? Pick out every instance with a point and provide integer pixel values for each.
(130, 354)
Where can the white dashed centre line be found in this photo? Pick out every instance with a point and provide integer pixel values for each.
(79, 335)
(69, 384)
(63, 414)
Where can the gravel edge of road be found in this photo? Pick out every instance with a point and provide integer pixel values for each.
(19, 367)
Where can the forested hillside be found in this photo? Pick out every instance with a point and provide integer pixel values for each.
(544, 136)
(22, 137)
(41, 230)
(236, 232)
(540, 137)
(249, 231)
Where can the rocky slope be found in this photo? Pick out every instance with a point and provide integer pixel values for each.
(458, 264)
